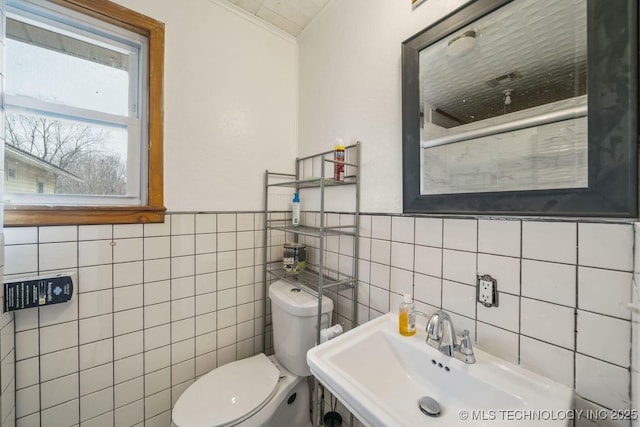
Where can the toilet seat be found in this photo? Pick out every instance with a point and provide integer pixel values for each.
(227, 395)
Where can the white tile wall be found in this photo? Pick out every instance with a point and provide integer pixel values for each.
(135, 335)
(563, 289)
(159, 305)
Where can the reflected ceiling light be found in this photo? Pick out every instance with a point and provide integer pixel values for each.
(461, 44)
(507, 96)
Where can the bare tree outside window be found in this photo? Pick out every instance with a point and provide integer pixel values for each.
(80, 149)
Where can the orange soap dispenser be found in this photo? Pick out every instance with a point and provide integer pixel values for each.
(407, 319)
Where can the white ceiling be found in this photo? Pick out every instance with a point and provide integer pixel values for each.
(288, 15)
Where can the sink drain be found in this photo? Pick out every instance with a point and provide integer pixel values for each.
(429, 406)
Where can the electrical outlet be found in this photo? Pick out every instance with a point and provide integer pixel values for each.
(487, 290)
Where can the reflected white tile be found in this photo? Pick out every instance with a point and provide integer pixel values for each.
(129, 391)
(128, 345)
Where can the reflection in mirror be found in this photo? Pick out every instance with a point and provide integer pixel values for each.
(503, 102)
(526, 107)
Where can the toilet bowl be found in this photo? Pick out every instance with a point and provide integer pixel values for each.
(261, 391)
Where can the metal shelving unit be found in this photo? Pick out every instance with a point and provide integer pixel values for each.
(315, 279)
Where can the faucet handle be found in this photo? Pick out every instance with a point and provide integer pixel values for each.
(466, 348)
(433, 331)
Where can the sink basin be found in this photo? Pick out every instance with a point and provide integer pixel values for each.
(380, 375)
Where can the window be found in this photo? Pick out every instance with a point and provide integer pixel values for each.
(11, 174)
(80, 110)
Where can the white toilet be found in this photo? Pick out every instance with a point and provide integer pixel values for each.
(262, 391)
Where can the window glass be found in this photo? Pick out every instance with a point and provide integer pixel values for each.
(71, 110)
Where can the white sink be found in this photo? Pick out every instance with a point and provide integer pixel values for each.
(380, 375)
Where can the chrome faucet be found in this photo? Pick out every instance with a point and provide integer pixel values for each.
(442, 336)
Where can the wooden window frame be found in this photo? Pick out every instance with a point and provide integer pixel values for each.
(154, 209)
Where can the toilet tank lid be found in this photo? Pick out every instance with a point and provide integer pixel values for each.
(228, 394)
(296, 301)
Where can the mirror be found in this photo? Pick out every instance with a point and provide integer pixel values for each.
(516, 107)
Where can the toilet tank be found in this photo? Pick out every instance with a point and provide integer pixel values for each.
(295, 314)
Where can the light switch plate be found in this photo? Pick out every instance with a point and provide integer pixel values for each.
(487, 290)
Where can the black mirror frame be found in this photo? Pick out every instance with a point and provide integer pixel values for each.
(612, 73)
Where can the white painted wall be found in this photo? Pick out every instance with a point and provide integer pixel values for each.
(230, 104)
(350, 86)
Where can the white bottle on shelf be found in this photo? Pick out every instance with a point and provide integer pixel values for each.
(295, 210)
